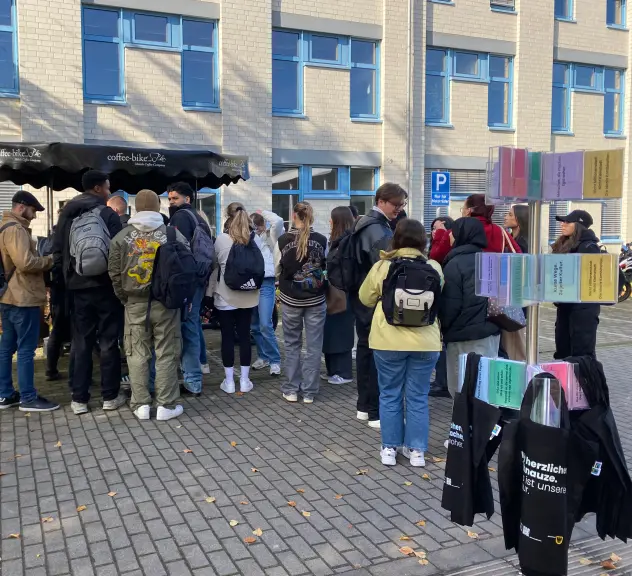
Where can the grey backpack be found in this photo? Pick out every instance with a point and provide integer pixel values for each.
(203, 248)
(90, 243)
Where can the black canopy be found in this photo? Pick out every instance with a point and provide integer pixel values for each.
(61, 166)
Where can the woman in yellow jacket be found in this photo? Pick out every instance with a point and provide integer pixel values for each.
(405, 357)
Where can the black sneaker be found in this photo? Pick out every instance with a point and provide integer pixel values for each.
(53, 376)
(438, 392)
(11, 401)
(186, 392)
(38, 405)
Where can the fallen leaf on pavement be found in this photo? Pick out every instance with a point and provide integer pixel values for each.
(233, 523)
(492, 469)
(38, 555)
(19, 455)
(257, 448)
(338, 496)
(81, 508)
(585, 561)
(47, 519)
(258, 532)
(292, 503)
(27, 415)
(420, 554)
(615, 558)
(402, 537)
(420, 523)
(306, 514)
(423, 562)
(233, 443)
(361, 472)
(112, 494)
(407, 550)
(473, 535)
(426, 477)
(244, 502)
(58, 445)
(187, 451)
(408, 483)
(210, 499)
(250, 539)
(435, 459)
(239, 394)
(608, 565)
(254, 470)
(300, 491)
(15, 536)
(179, 426)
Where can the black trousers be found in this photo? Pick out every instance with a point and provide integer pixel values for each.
(576, 330)
(340, 364)
(368, 391)
(441, 372)
(59, 335)
(231, 321)
(96, 313)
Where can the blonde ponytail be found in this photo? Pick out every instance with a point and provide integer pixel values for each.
(305, 213)
(238, 223)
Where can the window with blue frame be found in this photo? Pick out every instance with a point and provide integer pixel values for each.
(106, 33)
(444, 65)
(293, 50)
(362, 187)
(616, 13)
(569, 77)
(9, 83)
(563, 9)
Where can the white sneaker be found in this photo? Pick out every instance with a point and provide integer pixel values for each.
(79, 408)
(206, 369)
(324, 376)
(275, 369)
(228, 387)
(167, 414)
(259, 364)
(388, 456)
(245, 385)
(291, 397)
(416, 457)
(308, 400)
(335, 379)
(446, 444)
(142, 412)
(115, 404)
(375, 424)
(362, 415)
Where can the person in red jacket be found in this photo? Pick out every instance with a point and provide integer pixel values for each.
(496, 238)
(440, 244)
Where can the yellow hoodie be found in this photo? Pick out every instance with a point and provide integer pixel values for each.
(383, 335)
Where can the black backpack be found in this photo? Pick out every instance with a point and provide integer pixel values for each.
(174, 277)
(343, 269)
(202, 247)
(5, 278)
(411, 292)
(245, 268)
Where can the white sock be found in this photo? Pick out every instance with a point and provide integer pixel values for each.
(245, 370)
(228, 372)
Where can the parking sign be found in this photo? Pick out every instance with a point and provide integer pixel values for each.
(440, 189)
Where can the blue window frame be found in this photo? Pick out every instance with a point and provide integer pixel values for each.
(569, 77)
(616, 13)
(467, 65)
(564, 9)
(327, 50)
(500, 91)
(287, 72)
(9, 76)
(437, 87)
(561, 103)
(200, 78)
(103, 55)
(365, 66)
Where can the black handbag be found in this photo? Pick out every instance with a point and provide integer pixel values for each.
(509, 318)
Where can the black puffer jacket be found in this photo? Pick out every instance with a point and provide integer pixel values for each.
(373, 234)
(462, 313)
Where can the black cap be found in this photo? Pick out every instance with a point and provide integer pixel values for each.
(580, 216)
(26, 198)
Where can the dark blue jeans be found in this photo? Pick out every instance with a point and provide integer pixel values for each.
(20, 332)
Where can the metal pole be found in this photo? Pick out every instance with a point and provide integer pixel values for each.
(533, 312)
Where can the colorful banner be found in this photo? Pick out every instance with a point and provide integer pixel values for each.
(599, 279)
(507, 383)
(561, 278)
(563, 176)
(603, 174)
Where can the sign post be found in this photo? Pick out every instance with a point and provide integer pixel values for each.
(440, 189)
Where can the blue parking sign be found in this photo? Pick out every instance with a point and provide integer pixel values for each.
(440, 189)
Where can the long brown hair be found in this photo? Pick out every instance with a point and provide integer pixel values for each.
(305, 213)
(341, 220)
(238, 224)
(477, 203)
(564, 244)
(521, 212)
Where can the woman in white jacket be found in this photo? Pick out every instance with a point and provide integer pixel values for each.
(262, 326)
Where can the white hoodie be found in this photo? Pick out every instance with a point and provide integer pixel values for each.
(146, 221)
(269, 238)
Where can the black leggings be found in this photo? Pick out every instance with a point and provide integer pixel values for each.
(238, 319)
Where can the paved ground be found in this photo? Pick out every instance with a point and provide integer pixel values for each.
(145, 487)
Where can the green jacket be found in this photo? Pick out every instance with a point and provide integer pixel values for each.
(132, 254)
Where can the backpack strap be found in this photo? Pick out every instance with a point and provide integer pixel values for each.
(171, 234)
(191, 215)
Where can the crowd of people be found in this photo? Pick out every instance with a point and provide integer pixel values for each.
(104, 271)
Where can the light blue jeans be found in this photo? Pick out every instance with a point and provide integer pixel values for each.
(191, 367)
(262, 327)
(20, 332)
(404, 375)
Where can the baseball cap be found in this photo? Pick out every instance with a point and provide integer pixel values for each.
(26, 198)
(580, 216)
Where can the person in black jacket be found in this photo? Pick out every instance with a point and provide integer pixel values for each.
(463, 314)
(95, 310)
(373, 233)
(576, 324)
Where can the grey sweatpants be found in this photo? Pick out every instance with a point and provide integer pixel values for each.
(303, 376)
(487, 347)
